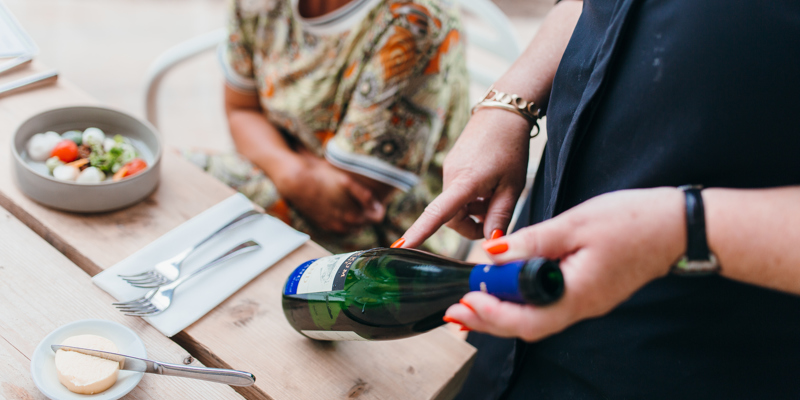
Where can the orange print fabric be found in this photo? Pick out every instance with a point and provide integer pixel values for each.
(399, 55)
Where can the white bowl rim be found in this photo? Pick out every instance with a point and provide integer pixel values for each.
(156, 157)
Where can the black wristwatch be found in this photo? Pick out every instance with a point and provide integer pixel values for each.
(698, 260)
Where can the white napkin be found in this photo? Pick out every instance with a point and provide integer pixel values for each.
(14, 41)
(196, 297)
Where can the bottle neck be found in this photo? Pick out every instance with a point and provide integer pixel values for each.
(501, 281)
(537, 281)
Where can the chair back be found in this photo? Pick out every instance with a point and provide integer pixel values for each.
(169, 60)
(493, 35)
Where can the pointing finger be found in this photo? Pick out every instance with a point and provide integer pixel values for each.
(439, 211)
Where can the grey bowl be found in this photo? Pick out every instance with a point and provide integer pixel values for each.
(86, 197)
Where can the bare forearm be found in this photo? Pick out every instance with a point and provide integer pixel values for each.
(258, 140)
(755, 235)
(531, 76)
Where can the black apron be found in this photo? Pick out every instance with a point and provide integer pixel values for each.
(665, 93)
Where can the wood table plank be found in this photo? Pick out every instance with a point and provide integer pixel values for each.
(249, 329)
(40, 290)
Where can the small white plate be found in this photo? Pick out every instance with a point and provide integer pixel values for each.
(43, 366)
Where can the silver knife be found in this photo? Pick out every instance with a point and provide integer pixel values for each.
(227, 376)
(28, 81)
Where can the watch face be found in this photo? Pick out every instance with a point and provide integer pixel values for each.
(696, 267)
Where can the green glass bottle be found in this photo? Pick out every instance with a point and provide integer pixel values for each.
(383, 294)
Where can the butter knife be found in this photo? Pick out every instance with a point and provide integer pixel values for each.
(35, 80)
(127, 363)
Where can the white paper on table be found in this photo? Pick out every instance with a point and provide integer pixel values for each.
(14, 41)
(196, 297)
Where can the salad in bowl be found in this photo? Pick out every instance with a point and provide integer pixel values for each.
(88, 156)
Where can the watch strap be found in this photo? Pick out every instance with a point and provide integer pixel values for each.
(698, 259)
(696, 242)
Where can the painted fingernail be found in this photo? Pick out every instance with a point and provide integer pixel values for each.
(496, 246)
(465, 304)
(496, 234)
(398, 243)
(464, 328)
(451, 320)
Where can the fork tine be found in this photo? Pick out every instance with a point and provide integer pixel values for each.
(157, 281)
(144, 277)
(152, 284)
(141, 311)
(126, 277)
(143, 307)
(141, 314)
(125, 303)
(144, 313)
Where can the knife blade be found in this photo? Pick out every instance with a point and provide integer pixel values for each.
(128, 363)
(31, 81)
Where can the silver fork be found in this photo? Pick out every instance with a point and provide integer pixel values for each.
(168, 270)
(158, 300)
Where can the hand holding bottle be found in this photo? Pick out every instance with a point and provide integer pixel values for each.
(609, 247)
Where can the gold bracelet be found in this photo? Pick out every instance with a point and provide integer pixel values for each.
(511, 102)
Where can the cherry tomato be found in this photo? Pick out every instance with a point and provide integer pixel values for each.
(135, 166)
(66, 151)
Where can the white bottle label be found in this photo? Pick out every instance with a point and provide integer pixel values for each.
(333, 335)
(326, 274)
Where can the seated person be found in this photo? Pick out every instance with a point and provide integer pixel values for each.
(341, 112)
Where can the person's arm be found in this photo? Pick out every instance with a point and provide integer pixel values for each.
(614, 244)
(331, 198)
(754, 235)
(484, 173)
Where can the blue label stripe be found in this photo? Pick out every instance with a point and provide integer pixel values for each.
(294, 278)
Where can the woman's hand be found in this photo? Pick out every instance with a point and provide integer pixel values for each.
(330, 198)
(484, 175)
(609, 247)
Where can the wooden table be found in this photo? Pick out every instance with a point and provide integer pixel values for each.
(248, 331)
(40, 290)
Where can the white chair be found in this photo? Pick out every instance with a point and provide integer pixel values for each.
(493, 35)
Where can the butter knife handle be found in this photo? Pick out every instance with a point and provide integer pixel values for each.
(227, 376)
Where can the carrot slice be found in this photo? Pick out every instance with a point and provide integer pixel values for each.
(120, 174)
(79, 163)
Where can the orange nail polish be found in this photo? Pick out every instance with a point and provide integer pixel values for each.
(451, 320)
(465, 304)
(398, 243)
(495, 246)
(496, 234)
(464, 328)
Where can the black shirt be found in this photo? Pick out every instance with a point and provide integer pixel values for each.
(665, 93)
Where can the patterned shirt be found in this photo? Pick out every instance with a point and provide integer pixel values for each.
(377, 87)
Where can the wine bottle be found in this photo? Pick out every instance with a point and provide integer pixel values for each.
(383, 294)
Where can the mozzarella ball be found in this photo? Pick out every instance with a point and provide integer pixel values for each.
(93, 136)
(91, 175)
(66, 173)
(52, 163)
(41, 145)
(75, 136)
(108, 144)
